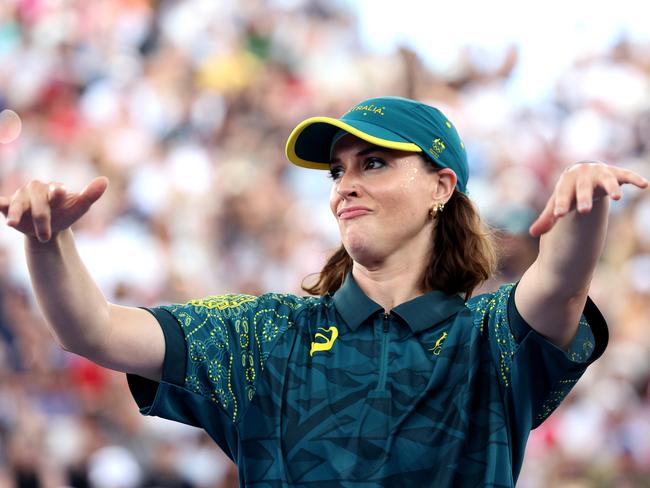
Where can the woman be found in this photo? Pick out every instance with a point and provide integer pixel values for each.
(392, 374)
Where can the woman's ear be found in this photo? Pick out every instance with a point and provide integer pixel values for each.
(446, 184)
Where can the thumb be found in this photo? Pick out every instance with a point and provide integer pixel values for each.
(542, 225)
(545, 220)
(94, 190)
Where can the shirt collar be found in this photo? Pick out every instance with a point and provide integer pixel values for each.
(353, 304)
(419, 313)
(429, 309)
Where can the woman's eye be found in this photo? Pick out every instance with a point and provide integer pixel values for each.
(374, 163)
(335, 172)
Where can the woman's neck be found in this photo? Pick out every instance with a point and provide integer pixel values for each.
(390, 286)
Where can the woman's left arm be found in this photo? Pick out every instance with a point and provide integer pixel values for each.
(552, 293)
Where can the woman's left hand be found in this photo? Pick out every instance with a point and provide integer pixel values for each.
(578, 186)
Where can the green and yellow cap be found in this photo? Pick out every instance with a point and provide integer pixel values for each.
(392, 122)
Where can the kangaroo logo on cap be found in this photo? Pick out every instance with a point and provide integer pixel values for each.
(437, 146)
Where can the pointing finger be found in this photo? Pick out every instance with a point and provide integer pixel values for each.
(94, 190)
(627, 176)
(545, 221)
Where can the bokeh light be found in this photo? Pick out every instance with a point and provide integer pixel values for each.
(10, 126)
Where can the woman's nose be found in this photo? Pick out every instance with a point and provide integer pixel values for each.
(348, 185)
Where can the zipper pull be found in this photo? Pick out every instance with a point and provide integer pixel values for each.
(385, 321)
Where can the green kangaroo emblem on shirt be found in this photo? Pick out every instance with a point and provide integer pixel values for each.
(329, 341)
(437, 347)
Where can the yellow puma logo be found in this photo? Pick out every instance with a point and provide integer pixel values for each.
(329, 341)
(437, 347)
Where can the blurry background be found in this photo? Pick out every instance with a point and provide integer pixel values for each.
(186, 106)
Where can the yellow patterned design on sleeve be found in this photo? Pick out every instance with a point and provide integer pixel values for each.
(492, 310)
(223, 302)
(229, 338)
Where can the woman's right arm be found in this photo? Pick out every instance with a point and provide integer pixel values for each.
(81, 319)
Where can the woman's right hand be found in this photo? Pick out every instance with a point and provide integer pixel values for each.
(42, 210)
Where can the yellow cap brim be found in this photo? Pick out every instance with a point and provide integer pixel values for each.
(363, 130)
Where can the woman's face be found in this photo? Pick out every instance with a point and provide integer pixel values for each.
(381, 200)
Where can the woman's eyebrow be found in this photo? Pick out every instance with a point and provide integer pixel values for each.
(363, 152)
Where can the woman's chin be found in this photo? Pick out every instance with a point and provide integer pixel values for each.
(362, 252)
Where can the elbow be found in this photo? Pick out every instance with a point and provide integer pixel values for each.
(74, 347)
(91, 350)
(565, 285)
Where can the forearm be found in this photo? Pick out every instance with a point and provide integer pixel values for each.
(552, 293)
(569, 252)
(72, 304)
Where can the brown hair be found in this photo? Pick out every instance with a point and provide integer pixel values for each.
(464, 254)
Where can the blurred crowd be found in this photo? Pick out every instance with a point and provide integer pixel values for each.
(186, 107)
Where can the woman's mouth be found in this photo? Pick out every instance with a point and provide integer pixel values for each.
(352, 212)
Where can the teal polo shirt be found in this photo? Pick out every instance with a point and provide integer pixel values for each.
(332, 391)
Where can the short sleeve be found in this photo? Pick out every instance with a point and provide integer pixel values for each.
(216, 349)
(536, 374)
